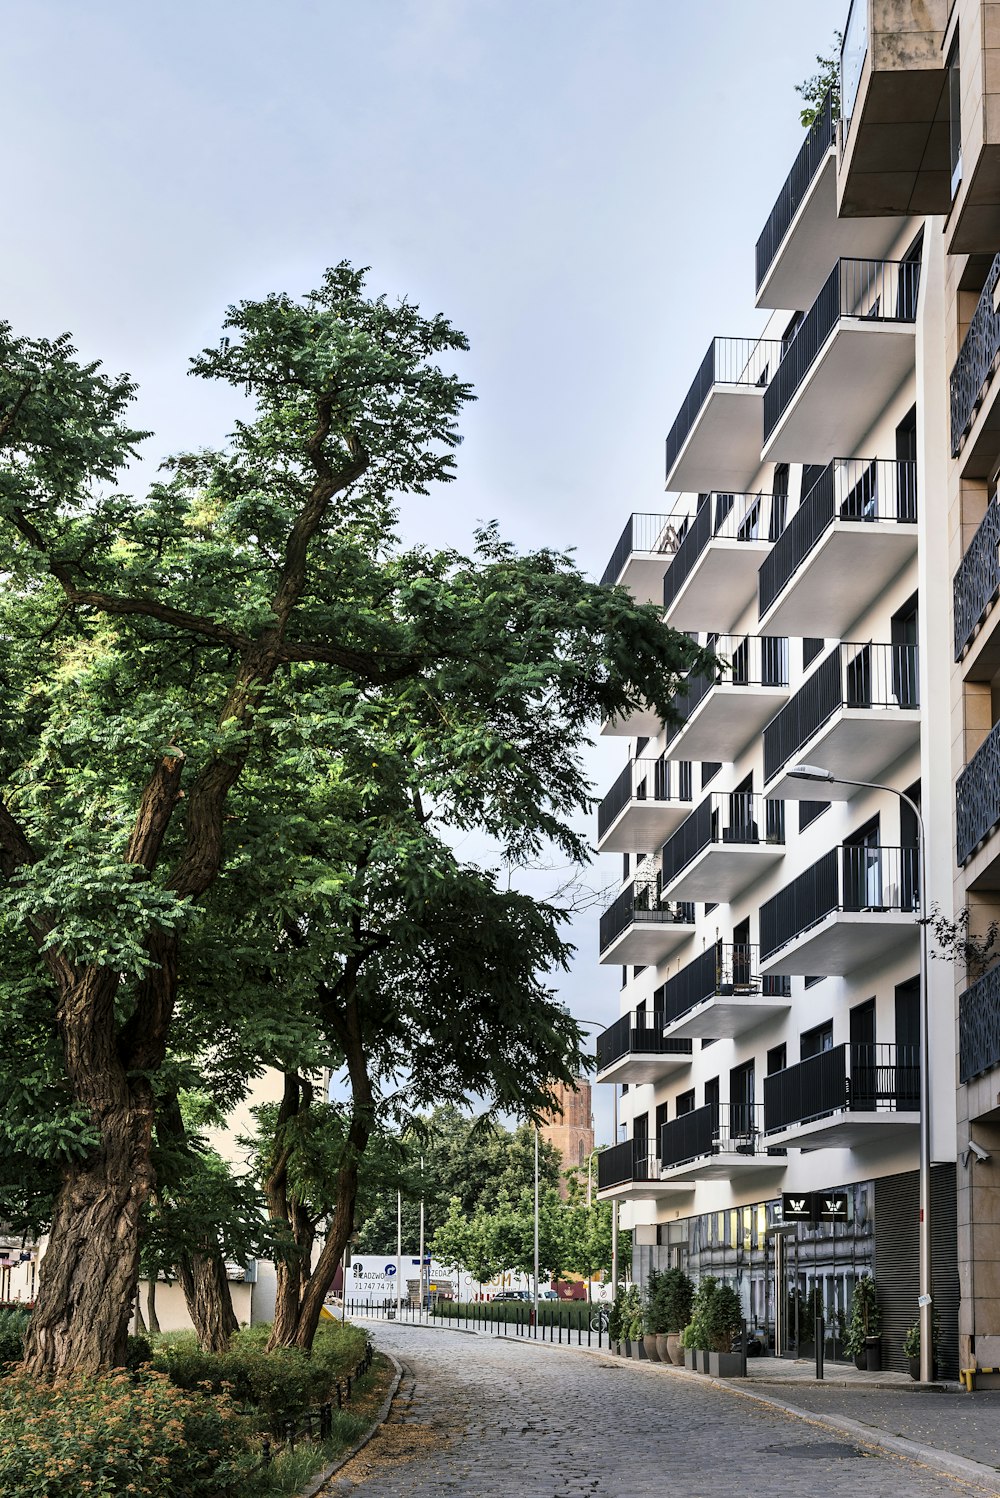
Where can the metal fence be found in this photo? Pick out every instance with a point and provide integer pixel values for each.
(722, 517)
(871, 290)
(848, 489)
(637, 1034)
(977, 581)
(977, 796)
(723, 817)
(729, 361)
(812, 154)
(724, 971)
(646, 533)
(979, 1026)
(500, 1318)
(638, 904)
(876, 677)
(867, 1078)
(744, 661)
(853, 877)
(974, 367)
(645, 780)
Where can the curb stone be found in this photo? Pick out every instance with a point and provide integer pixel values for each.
(318, 1482)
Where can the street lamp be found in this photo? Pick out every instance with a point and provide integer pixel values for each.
(817, 774)
(599, 1025)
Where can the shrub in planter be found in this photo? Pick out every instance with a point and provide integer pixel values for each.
(700, 1309)
(104, 1437)
(723, 1318)
(911, 1347)
(13, 1325)
(688, 1345)
(616, 1317)
(865, 1324)
(676, 1296)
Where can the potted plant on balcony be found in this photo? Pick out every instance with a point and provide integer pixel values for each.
(676, 1293)
(863, 1341)
(723, 1319)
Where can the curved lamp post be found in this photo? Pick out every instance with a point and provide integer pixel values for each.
(600, 1025)
(818, 775)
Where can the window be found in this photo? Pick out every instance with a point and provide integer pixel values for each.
(814, 1042)
(954, 115)
(685, 1103)
(779, 501)
(626, 865)
(624, 976)
(777, 1059)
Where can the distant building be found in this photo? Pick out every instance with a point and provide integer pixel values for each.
(570, 1126)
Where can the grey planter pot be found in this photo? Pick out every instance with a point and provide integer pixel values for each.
(690, 1359)
(703, 1358)
(725, 1364)
(638, 1351)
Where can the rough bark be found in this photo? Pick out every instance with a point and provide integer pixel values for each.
(209, 1301)
(151, 1316)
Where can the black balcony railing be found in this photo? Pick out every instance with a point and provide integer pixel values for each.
(874, 1078)
(736, 817)
(728, 1128)
(870, 290)
(744, 661)
(871, 490)
(849, 878)
(977, 796)
(875, 677)
(729, 361)
(640, 906)
(624, 1163)
(645, 780)
(977, 581)
(645, 533)
(726, 970)
(979, 1026)
(719, 517)
(813, 152)
(974, 367)
(637, 1034)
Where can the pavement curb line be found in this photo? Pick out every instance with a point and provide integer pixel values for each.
(318, 1482)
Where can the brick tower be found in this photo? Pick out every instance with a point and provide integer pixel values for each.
(570, 1125)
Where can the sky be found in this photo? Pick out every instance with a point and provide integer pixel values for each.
(578, 184)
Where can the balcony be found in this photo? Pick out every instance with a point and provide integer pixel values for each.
(725, 711)
(804, 232)
(636, 928)
(856, 906)
(848, 356)
(856, 714)
(644, 550)
(895, 151)
(853, 532)
(726, 843)
(977, 812)
(979, 1027)
(975, 413)
(713, 576)
(631, 1170)
(648, 801)
(721, 994)
(975, 589)
(714, 1142)
(715, 441)
(850, 1095)
(634, 1050)
(641, 723)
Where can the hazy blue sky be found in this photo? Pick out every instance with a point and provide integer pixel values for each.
(577, 183)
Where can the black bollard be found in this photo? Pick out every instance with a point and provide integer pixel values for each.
(820, 1334)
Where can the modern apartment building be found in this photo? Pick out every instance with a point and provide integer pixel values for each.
(831, 487)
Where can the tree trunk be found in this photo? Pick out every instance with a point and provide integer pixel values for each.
(151, 1316)
(140, 1323)
(209, 1301)
(88, 1279)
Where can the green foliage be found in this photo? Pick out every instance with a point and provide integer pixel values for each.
(669, 1295)
(119, 1434)
(689, 1337)
(865, 1319)
(138, 1351)
(827, 80)
(567, 1313)
(276, 1386)
(722, 1317)
(617, 1315)
(701, 1311)
(632, 1321)
(911, 1340)
(13, 1325)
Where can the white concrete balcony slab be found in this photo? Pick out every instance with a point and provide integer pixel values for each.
(804, 233)
(630, 1171)
(648, 801)
(844, 1097)
(726, 710)
(713, 575)
(725, 845)
(853, 532)
(644, 552)
(717, 1143)
(634, 1051)
(854, 907)
(636, 930)
(855, 715)
(715, 441)
(849, 355)
(722, 994)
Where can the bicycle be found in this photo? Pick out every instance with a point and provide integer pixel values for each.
(599, 1320)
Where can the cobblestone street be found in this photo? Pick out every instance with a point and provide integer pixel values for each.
(480, 1418)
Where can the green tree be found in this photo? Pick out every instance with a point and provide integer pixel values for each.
(825, 81)
(188, 679)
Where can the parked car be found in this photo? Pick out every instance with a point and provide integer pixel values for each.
(512, 1295)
